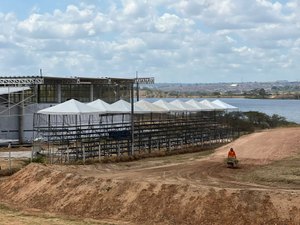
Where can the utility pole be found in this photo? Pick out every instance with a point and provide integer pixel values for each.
(132, 119)
(137, 87)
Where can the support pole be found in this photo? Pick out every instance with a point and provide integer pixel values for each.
(9, 157)
(132, 119)
(83, 154)
(99, 152)
(137, 88)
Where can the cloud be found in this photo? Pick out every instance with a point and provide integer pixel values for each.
(202, 39)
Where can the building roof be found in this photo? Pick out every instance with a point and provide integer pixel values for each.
(9, 89)
(27, 80)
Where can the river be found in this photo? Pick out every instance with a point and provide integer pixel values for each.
(290, 109)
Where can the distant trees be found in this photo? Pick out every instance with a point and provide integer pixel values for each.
(253, 120)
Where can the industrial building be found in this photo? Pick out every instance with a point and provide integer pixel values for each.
(21, 97)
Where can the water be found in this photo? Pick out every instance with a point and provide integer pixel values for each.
(290, 109)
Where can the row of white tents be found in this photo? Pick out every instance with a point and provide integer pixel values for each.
(74, 107)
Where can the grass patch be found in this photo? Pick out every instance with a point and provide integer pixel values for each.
(284, 173)
(10, 215)
(167, 156)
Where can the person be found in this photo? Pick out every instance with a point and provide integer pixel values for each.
(231, 153)
(231, 160)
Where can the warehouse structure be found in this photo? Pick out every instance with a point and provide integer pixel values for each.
(21, 97)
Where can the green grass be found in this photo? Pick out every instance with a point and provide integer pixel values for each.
(283, 173)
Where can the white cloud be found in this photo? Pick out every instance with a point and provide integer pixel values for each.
(203, 39)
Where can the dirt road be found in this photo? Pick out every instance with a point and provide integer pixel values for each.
(181, 189)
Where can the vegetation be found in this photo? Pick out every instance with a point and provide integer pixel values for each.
(285, 92)
(281, 173)
(252, 120)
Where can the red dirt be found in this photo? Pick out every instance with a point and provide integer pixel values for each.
(198, 191)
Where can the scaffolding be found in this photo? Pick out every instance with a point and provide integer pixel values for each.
(67, 138)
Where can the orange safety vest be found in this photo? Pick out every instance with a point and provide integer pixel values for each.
(231, 154)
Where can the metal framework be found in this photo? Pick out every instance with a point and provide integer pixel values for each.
(21, 81)
(64, 139)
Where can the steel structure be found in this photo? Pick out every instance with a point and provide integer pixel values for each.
(63, 139)
(17, 108)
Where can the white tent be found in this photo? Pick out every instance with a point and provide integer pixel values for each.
(169, 107)
(152, 108)
(101, 106)
(70, 107)
(225, 105)
(122, 106)
(184, 106)
(199, 106)
(212, 105)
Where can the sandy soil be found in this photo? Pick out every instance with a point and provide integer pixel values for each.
(182, 189)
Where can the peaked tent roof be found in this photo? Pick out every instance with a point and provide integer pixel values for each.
(184, 105)
(199, 105)
(224, 104)
(122, 106)
(70, 107)
(101, 105)
(166, 105)
(150, 107)
(212, 105)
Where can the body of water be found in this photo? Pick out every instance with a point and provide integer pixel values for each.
(290, 109)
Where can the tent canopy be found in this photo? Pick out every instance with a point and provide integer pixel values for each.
(101, 105)
(213, 106)
(122, 106)
(152, 108)
(70, 107)
(225, 105)
(169, 107)
(198, 105)
(184, 105)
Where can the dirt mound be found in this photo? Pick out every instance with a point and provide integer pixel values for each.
(48, 189)
(196, 190)
(265, 146)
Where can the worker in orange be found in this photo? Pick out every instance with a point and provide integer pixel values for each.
(231, 153)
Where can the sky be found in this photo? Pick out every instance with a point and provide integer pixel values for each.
(174, 41)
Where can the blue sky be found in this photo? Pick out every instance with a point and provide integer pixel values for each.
(188, 41)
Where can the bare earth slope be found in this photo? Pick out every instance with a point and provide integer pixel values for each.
(196, 191)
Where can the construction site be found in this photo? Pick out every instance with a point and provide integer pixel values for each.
(99, 129)
(75, 184)
(80, 118)
(195, 188)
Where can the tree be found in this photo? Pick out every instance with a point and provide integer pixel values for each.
(262, 92)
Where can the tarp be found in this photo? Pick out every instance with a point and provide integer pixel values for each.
(184, 106)
(122, 106)
(212, 105)
(169, 107)
(70, 107)
(198, 105)
(152, 108)
(225, 105)
(8, 89)
(101, 105)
